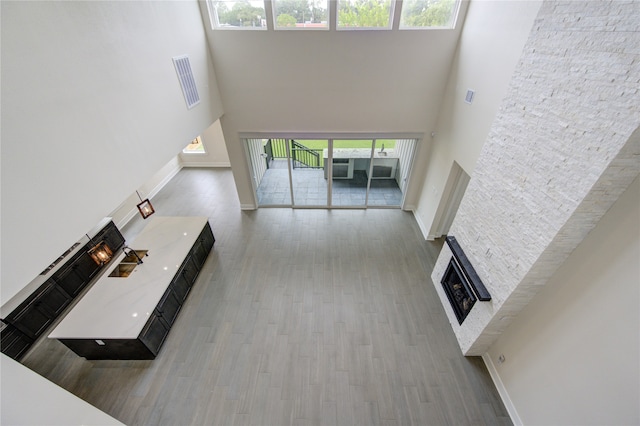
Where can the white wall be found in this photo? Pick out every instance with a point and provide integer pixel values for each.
(129, 207)
(491, 43)
(91, 109)
(215, 150)
(328, 81)
(573, 355)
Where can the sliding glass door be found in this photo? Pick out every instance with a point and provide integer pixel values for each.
(309, 184)
(326, 173)
(350, 178)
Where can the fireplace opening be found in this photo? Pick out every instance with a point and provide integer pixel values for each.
(458, 291)
(461, 283)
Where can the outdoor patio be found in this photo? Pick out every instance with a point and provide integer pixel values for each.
(310, 188)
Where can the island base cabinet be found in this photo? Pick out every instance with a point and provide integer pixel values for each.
(155, 331)
(203, 246)
(153, 334)
(169, 307)
(109, 349)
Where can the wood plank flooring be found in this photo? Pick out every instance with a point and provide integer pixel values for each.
(299, 317)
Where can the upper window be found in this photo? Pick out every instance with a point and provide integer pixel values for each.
(292, 14)
(365, 14)
(349, 14)
(238, 14)
(428, 13)
(194, 147)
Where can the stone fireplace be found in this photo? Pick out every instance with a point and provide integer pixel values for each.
(553, 163)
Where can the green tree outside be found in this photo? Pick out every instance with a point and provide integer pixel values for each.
(302, 10)
(241, 15)
(286, 20)
(298, 9)
(432, 13)
(364, 13)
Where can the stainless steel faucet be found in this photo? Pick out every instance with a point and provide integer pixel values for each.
(130, 252)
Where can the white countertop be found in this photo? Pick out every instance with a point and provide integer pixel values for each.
(359, 153)
(118, 308)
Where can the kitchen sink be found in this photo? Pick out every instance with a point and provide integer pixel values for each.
(123, 270)
(128, 263)
(130, 258)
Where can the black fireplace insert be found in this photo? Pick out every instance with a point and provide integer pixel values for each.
(458, 291)
(461, 283)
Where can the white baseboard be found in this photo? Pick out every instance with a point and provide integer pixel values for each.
(165, 181)
(502, 390)
(247, 207)
(207, 164)
(409, 208)
(423, 229)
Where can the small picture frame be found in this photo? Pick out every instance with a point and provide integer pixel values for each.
(145, 208)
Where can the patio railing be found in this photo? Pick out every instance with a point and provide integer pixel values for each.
(302, 156)
(305, 158)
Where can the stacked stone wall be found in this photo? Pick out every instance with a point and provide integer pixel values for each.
(563, 146)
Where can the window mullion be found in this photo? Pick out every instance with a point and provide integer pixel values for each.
(333, 15)
(397, 10)
(268, 11)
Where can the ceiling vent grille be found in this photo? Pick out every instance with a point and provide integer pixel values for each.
(187, 82)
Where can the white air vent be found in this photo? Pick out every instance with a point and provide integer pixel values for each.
(187, 82)
(469, 98)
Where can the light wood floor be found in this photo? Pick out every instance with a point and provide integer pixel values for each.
(298, 317)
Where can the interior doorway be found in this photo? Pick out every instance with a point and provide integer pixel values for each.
(330, 173)
(454, 190)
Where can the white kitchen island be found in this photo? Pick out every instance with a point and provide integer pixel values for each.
(129, 316)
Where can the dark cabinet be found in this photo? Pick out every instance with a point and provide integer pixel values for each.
(189, 270)
(200, 253)
(110, 235)
(14, 343)
(71, 279)
(32, 317)
(85, 266)
(32, 320)
(168, 307)
(77, 273)
(153, 334)
(53, 299)
(203, 246)
(180, 287)
(184, 279)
